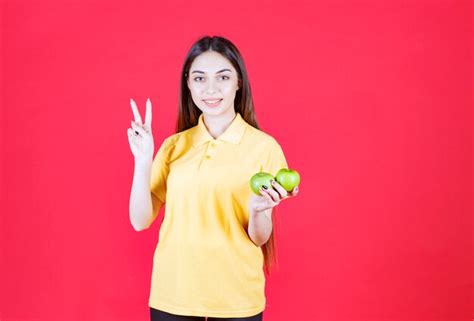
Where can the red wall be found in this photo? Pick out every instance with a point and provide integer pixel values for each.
(370, 100)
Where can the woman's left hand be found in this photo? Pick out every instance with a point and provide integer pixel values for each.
(270, 198)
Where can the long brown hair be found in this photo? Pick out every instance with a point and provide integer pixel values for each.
(188, 114)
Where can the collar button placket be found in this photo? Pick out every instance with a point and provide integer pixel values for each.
(210, 150)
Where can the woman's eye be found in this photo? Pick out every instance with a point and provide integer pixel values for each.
(222, 77)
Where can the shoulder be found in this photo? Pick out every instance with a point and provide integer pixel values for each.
(177, 142)
(263, 140)
(172, 139)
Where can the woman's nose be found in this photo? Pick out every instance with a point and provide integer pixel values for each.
(211, 87)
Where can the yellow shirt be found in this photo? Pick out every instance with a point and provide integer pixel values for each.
(205, 263)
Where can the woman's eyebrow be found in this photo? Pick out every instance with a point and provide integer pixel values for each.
(202, 72)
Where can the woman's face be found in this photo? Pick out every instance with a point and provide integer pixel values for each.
(213, 78)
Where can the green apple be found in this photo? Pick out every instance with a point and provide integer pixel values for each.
(260, 179)
(288, 178)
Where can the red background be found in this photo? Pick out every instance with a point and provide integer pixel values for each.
(370, 100)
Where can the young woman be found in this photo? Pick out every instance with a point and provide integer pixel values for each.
(216, 233)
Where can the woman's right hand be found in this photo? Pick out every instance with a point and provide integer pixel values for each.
(140, 136)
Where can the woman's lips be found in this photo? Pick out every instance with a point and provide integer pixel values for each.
(212, 102)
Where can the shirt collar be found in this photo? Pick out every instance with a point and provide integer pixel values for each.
(233, 134)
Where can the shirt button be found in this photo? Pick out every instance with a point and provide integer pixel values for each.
(208, 156)
(213, 144)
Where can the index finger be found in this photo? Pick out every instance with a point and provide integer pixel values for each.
(136, 114)
(148, 114)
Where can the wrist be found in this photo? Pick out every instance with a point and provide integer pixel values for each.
(267, 213)
(146, 163)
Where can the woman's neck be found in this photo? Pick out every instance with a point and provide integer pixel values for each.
(216, 125)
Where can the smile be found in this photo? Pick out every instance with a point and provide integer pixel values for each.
(212, 102)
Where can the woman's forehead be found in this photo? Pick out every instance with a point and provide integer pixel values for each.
(211, 62)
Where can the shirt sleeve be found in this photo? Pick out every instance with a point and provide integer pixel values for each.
(159, 174)
(275, 160)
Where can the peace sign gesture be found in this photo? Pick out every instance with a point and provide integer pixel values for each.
(140, 136)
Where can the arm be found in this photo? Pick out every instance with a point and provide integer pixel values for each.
(260, 209)
(141, 206)
(260, 226)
